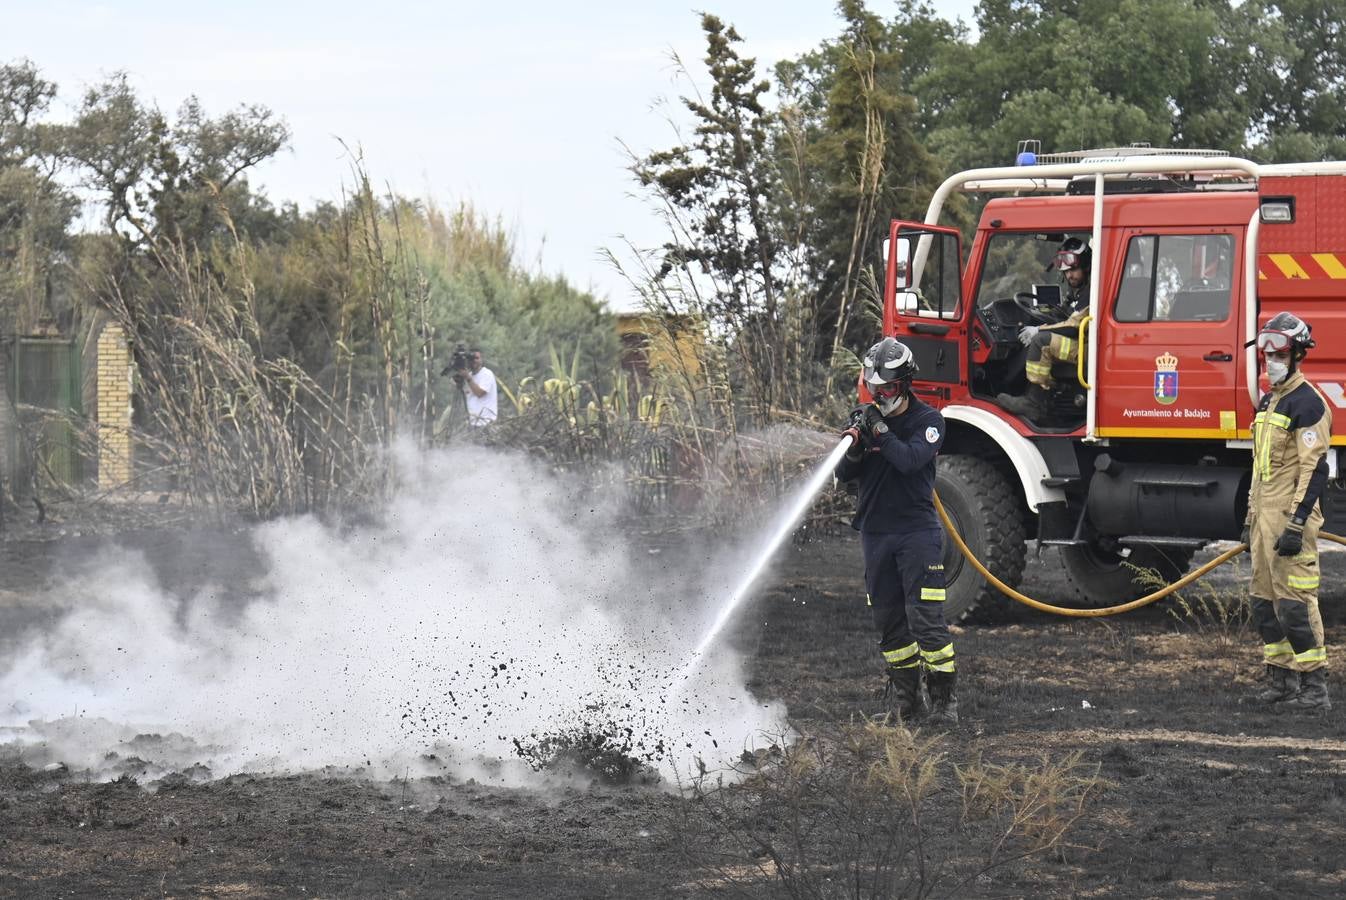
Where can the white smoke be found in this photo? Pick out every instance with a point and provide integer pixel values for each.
(489, 606)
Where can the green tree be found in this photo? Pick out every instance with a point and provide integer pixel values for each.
(371, 295)
(1298, 74)
(162, 180)
(1263, 79)
(719, 191)
(865, 161)
(35, 210)
(201, 165)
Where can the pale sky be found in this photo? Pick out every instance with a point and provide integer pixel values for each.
(518, 108)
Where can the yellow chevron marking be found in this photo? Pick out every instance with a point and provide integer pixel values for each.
(1261, 276)
(1331, 265)
(1288, 266)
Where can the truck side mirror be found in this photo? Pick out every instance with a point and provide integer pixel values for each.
(909, 301)
(903, 261)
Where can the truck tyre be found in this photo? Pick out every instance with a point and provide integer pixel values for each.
(985, 510)
(1102, 578)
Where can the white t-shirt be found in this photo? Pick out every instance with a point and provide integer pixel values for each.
(481, 410)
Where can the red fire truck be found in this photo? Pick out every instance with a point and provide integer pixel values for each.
(1148, 456)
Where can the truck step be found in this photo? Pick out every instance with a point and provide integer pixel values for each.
(1163, 541)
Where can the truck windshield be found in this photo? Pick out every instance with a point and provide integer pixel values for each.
(1017, 262)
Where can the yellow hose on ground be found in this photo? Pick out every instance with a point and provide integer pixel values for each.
(1105, 611)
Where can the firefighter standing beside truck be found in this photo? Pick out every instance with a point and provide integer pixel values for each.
(1057, 342)
(896, 439)
(1291, 433)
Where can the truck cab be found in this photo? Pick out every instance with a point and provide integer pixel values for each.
(1145, 456)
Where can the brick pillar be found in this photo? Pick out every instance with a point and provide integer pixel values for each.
(114, 407)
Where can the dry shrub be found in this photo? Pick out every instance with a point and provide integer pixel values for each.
(1032, 806)
(1221, 615)
(878, 811)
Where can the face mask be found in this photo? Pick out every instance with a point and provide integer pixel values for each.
(1276, 371)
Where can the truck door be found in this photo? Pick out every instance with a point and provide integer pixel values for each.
(1170, 337)
(923, 304)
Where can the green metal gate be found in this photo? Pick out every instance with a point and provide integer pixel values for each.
(44, 372)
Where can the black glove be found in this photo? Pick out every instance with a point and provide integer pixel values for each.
(1246, 535)
(857, 429)
(1291, 541)
(874, 423)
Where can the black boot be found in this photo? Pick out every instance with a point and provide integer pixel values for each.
(943, 698)
(1035, 404)
(1312, 694)
(1281, 684)
(906, 692)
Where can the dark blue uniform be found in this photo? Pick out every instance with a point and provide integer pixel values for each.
(902, 538)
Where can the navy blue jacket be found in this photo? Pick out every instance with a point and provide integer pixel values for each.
(897, 473)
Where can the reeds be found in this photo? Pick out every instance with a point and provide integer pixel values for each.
(230, 426)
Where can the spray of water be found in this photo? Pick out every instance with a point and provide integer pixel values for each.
(780, 529)
(491, 605)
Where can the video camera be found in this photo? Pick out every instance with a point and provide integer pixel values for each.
(461, 359)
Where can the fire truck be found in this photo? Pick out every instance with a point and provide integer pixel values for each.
(1147, 455)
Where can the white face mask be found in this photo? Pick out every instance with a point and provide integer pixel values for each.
(1277, 371)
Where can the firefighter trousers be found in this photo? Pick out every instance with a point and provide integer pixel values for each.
(1285, 597)
(904, 578)
(1049, 347)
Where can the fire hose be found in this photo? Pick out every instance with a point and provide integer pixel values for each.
(1104, 611)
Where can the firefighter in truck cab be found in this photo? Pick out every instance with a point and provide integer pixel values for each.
(1056, 342)
(892, 457)
(1291, 433)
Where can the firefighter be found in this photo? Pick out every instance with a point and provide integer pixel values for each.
(1057, 342)
(1291, 433)
(896, 439)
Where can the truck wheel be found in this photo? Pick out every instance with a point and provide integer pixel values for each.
(985, 510)
(1102, 578)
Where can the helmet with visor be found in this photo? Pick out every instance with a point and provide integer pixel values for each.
(889, 367)
(1285, 331)
(1074, 253)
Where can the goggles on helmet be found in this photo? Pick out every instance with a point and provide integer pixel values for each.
(1273, 341)
(1067, 260)
(886, 390)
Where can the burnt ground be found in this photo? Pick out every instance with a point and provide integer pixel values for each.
(1204, 793)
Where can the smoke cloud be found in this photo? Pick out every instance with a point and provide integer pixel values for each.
(490, 606)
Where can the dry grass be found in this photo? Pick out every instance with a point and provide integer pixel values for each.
(879, 811)
(1220, 615)
(1033, 806)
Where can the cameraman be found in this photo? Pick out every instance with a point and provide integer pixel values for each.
(478, 386)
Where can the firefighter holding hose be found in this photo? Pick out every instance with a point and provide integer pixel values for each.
(1291, 433)
(892, 457)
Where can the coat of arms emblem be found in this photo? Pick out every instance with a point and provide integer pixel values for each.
(1166, 378)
